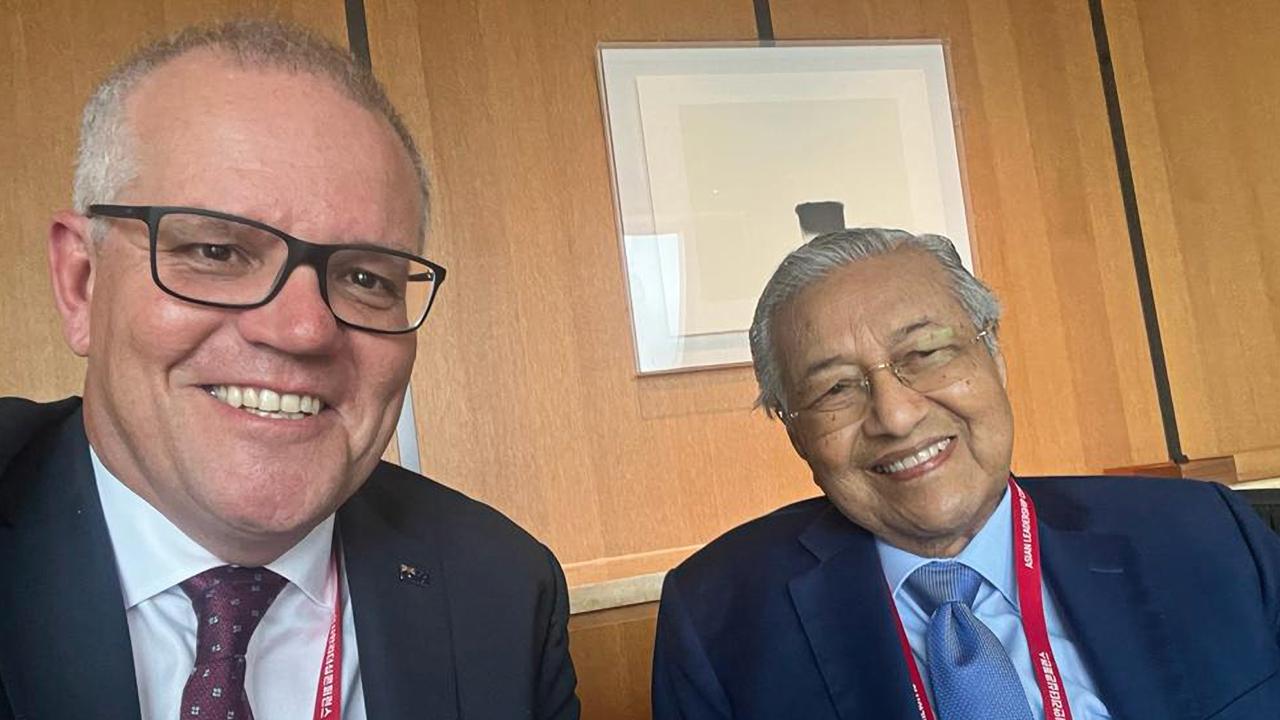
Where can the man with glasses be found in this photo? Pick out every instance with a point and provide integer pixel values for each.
(927, 582)
(209, 533)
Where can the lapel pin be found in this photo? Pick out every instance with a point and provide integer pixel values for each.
(411, 574)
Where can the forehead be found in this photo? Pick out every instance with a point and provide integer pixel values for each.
(290, 149)
(864, 304)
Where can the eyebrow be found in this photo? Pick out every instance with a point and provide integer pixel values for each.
(901, 333)
(896, 337)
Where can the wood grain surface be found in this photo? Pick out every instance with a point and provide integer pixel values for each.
(612, 653)
(1197, 85)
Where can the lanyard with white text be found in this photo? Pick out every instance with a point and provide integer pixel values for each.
(329, 687)
(1026, 554)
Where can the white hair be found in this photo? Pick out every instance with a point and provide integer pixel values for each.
(106, 161)
(824, 254)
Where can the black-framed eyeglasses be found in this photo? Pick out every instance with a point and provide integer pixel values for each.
(844, 400)
(223, 260)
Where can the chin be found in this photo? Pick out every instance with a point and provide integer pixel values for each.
(274, 520)
(286, 502)
(959, 519)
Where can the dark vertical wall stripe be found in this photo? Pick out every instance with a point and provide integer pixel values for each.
(358, 32)
(1125, 171)
(764, 20)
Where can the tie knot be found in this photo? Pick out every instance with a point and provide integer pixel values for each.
(938, 583)
(229, 602)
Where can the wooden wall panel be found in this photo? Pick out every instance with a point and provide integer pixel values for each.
(613, 655)
(525, 388)
(1045, 215)
(54, 52)
(1197, 85)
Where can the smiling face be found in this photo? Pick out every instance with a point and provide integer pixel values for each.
(294, 152)
(922, 471)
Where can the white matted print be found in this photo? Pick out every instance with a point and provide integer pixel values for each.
(714, 149)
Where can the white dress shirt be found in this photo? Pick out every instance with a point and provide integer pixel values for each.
(990, 553)
(153, 556)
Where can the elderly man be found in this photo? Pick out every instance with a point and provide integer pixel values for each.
(915, 588)
(209, 533)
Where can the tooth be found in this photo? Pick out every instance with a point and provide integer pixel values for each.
(249, 397)
(268, 400)
(220, 392)
(290, 403)
(913, 460)
(234, 398)
(317, 406)
(304, 404)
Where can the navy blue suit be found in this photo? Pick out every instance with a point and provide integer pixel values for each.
(1171, 589)
(482, 634)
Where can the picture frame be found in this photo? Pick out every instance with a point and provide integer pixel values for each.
(727, 156)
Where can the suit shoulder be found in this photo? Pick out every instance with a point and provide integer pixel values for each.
(1125, 490)
(23, 421)
(756, 545)
(14, 410)
(416, 501)
(1130, 503)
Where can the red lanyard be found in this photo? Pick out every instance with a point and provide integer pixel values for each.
(1026, 557)
(329, 687)
(1026, 561)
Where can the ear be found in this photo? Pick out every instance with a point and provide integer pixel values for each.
(1000, 368)
(71, 268)
(797, 442)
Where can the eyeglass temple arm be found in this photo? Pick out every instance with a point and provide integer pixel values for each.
(133, 212)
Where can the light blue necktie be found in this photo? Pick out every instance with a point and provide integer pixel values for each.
(970, 673)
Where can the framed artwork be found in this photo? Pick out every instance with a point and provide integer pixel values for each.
(727, 157)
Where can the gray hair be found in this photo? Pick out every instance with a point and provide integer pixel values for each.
(824, 254)
(106, 160)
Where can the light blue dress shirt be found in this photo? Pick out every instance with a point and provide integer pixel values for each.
(990, 553)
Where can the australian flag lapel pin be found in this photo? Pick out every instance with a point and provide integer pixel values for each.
(411, 574)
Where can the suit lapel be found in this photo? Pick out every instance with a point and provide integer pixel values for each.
(1108, 606)
(844, 608)
(64, 649)
(399, 599)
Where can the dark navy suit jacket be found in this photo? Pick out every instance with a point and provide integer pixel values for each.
(1171, 589)
(481, 634)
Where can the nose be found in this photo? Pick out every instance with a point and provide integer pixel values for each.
(296, 321)
(895, 409)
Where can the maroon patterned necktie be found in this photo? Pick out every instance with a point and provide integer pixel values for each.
(229, 602)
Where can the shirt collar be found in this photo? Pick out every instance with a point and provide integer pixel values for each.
(152, 554)
(990, 552)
